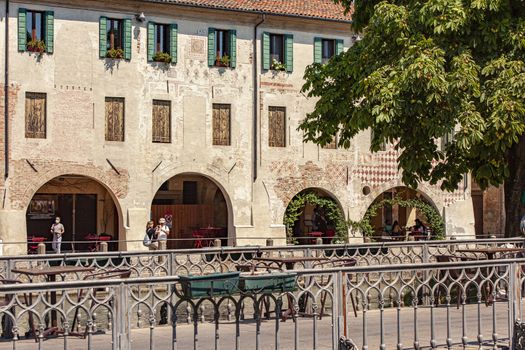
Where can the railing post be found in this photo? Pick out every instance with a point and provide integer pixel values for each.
(122, 318)
(217, 243)
(103, 247)
(41, 250)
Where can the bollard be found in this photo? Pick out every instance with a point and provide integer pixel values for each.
(41, 248)
(318, 241)
(103, 247)
(217, 243)
(367, 239)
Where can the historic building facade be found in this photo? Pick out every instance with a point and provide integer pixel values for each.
(118, 111)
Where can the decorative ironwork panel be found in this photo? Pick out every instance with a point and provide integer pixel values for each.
(35, 115)
(161, 121)
(114, 119)
(221, 124)
(277, 127)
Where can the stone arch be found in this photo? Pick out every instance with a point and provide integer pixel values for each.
(212, 176)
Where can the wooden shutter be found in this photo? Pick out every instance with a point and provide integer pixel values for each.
(233, 48)
(50, 31)
(277, 127)
(22, 31)
(174, 32)
(103, 37)
(127, 38)
(35, 121)
(161, 121)
(211, 47)
(221, 124)
(151, 41)
(114, 119)
(339, 46)
(288, 52)
(318, 50)
(266, 50)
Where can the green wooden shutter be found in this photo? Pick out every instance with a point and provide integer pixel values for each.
(318, 50)
(151, 41)
(103, 37)
(22, 38)
(266, 50)
(233, 48)
(339, 46)
(127, 39)
(211, 47)
(50, 31)
(288, 54)
(174, 32)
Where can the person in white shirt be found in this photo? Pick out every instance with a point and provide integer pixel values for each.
(161, 234)
(57, 229)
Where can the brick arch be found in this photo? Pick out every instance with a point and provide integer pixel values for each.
(23, 190)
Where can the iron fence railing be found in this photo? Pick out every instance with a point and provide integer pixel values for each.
(424, 305)
(224, 259)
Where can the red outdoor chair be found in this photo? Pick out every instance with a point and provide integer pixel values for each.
(33, 244)
(198, 237)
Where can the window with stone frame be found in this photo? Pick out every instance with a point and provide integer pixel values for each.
(35, 115)
(161, 121)
(277, 126)
(114, 119)
(221, 124)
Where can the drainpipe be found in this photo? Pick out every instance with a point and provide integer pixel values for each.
(255, 97)
(6, 94)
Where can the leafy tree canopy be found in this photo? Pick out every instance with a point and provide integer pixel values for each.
(423, 69)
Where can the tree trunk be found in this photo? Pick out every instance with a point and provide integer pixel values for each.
(514, 187)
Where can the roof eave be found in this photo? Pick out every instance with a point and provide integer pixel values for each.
(255, 12)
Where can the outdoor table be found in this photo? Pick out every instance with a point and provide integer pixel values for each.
(290, 262)
(50, 273)
(491, 252)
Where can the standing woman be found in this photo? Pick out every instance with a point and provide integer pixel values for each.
(57, 229)
(149, 238)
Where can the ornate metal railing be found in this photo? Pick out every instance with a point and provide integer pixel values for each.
(187, 261)
(387, 307)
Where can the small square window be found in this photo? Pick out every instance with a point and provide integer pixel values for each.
(277, 51)
(328, 50)
(222, 48)
(115, 37)
(35, 116)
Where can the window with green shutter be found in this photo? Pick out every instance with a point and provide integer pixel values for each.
(288, 54)
(339, 46)
(174, 42)
(325, 49)
(35, 31)
(318, 50)
(222, 51)
(160, 42)
(115, 38)
(266, 50)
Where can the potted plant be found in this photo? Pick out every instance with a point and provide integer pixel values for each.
(37, 46)
(115, 53)
(277, 65)
(223, 61)
(162, 57)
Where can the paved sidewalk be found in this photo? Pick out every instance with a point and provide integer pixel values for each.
(206, 332)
